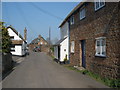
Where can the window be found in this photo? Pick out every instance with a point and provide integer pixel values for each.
(12, 47)
(41, 43)
(72, 46)
(11, 37)
(38, 40)
(65, 50)
(72, 20)
(99, 4)
(82, 13)
(101, 46)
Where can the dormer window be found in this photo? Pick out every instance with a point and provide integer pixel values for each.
(82, 13)
(11, 37)
(99, 4)
(71, 20)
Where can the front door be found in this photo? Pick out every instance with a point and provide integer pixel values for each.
(82, 53)
(58, 52)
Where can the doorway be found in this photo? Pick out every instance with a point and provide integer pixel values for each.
(82, 53)
(58, 52)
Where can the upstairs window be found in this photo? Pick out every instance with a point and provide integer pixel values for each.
(72, 46)
(12, 47)
(101, 46)
(82, 13)
(99, 4)
(71, 20)
(11, 37)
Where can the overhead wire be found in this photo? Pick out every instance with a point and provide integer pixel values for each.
(45, 12)
(22, 14)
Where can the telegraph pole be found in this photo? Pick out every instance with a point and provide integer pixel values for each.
(49, 39)
(49, 35)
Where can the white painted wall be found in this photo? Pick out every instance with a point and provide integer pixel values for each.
(64, 30)
(56, 52)
(63, 52)
(19, 49)
(12, 33)
(64, 45)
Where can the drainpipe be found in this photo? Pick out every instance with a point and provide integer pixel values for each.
(68, 40)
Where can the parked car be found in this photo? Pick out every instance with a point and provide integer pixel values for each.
(37, 49)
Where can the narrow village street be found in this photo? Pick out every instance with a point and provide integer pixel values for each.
(39, 71)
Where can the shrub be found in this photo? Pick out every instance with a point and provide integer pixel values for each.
(6, 42)
(65, 59)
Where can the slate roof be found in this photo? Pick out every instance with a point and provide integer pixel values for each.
(37, 40)
(76, 8)
(58, 43)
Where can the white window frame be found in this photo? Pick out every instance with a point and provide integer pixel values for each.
(98, 2)
(72, 20)
(82, 13)
(72, 46)
(101, 47)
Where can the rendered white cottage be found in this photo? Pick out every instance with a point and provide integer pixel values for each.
(61, 48)
(19, 43)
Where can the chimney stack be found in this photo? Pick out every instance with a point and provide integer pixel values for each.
(25, 34)
(39, 36)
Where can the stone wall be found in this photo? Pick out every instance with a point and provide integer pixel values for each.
(7, 63)
(101, 23)
(45, 48)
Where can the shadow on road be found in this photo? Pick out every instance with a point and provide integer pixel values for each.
(5, 74)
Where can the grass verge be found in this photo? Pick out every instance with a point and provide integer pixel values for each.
(113, 83)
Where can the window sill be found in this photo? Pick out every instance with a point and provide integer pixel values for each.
(100, 56)
(99, 8)
(71, 24)
(82, 18)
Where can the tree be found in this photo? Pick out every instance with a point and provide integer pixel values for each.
(6, 42)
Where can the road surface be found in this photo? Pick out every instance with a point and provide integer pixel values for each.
(39, 71)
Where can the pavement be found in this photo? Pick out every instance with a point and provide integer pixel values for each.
(39, 71)
(18, 59)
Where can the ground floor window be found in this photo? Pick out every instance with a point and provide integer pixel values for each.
(72, 46)
(100, 46)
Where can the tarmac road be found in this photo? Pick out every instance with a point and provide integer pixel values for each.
(39, 71)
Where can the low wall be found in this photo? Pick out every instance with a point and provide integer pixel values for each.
(6, 62)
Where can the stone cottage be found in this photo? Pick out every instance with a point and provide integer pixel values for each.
(95, 37)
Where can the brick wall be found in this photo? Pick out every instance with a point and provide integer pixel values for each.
(103, 22)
